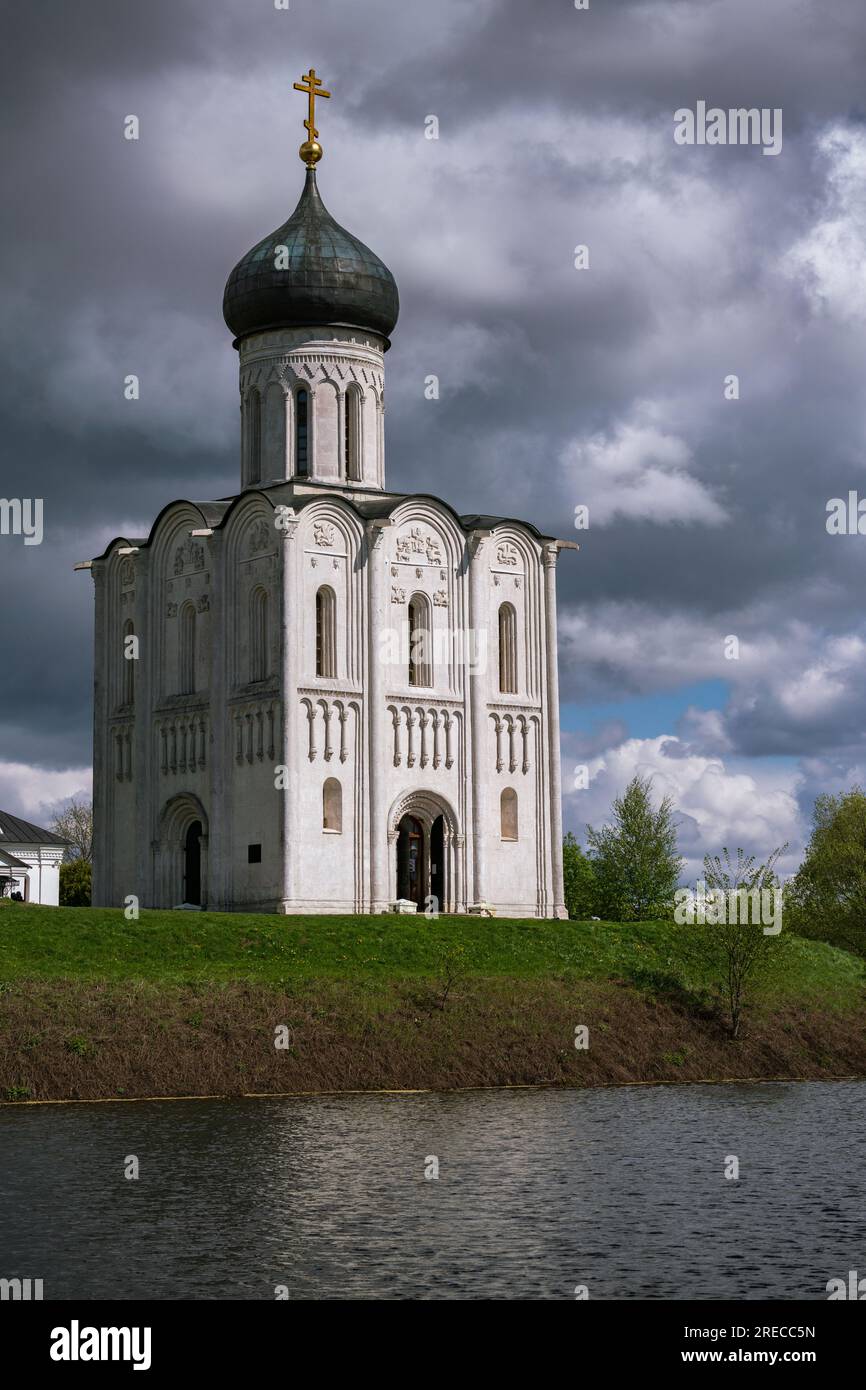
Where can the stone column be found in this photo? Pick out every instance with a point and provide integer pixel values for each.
(362, 445)
(291, 636)
(203, 871)
(101, 760)
(218, 753)
(377, 616)
(549, 555)
(343, 468)
(243, 414)
(476, 743)
(288, 434)
(147, 770)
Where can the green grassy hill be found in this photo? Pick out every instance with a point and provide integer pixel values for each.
(93, 1005)
(174, 947)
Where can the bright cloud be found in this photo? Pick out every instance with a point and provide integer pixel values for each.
(638, 470)
(32, 792)
(749, 805)
(829, 257)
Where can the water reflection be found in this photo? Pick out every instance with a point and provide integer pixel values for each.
(622, 1190)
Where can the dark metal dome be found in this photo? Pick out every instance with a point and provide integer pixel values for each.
(331, 278)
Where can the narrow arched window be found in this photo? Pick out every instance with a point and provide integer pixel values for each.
(508, 814)
(186, 663)
(507, 650)
(259, 636)
(302, 456)
(332, 806)
(254, 437)
(420, 641)
(352, 433)
(127, 668)
(326, 633)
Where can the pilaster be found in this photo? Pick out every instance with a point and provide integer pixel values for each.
(549, 556)
(286, 522)
(375, 704)
(477, 679)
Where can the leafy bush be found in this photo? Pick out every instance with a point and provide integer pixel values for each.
(827, 896)
(581, 886)
(75, 881)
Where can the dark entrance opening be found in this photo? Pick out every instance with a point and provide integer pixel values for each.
(437, 863)
(192, 865)
(410, 861)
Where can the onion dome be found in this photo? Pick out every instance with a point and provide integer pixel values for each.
(310, 273)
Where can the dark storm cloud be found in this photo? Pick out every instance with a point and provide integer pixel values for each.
(557, 387)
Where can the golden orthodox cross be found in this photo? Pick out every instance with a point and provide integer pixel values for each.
(311, 91)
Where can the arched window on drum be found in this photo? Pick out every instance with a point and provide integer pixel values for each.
(326, 633)
(420, 641)
(259, 635)
(507, 649)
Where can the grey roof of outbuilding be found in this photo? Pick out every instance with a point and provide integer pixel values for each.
(24, 832)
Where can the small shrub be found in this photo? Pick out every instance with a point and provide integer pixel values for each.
(75, 883)
(451, 961)
(676, 1059)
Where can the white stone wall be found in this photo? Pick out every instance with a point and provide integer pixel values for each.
(215, 754)
(248, 749)
(43, 871)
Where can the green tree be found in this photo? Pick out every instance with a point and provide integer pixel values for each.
(75, 878)
(581, 887)
(635, 857)
(745, 954)
(827, 896)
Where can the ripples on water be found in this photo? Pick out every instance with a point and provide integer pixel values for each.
(539, 1191)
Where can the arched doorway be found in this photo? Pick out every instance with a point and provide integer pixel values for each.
(192, 865)
(180, 866)
(437, 861)
(427, 853)
(411, 868)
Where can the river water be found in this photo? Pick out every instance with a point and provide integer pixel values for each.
(622, 1191)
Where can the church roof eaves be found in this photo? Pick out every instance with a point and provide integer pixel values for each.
(211, 513)
(467, 521)
(476, 522)
(217, 512)
(137, 541)
(214, 512)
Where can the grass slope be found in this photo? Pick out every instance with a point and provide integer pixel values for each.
(91, 944)
(181, 1003)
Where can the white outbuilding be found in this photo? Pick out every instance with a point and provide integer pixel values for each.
(30, 860)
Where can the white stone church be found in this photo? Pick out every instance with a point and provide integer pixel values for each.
(319, 695)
